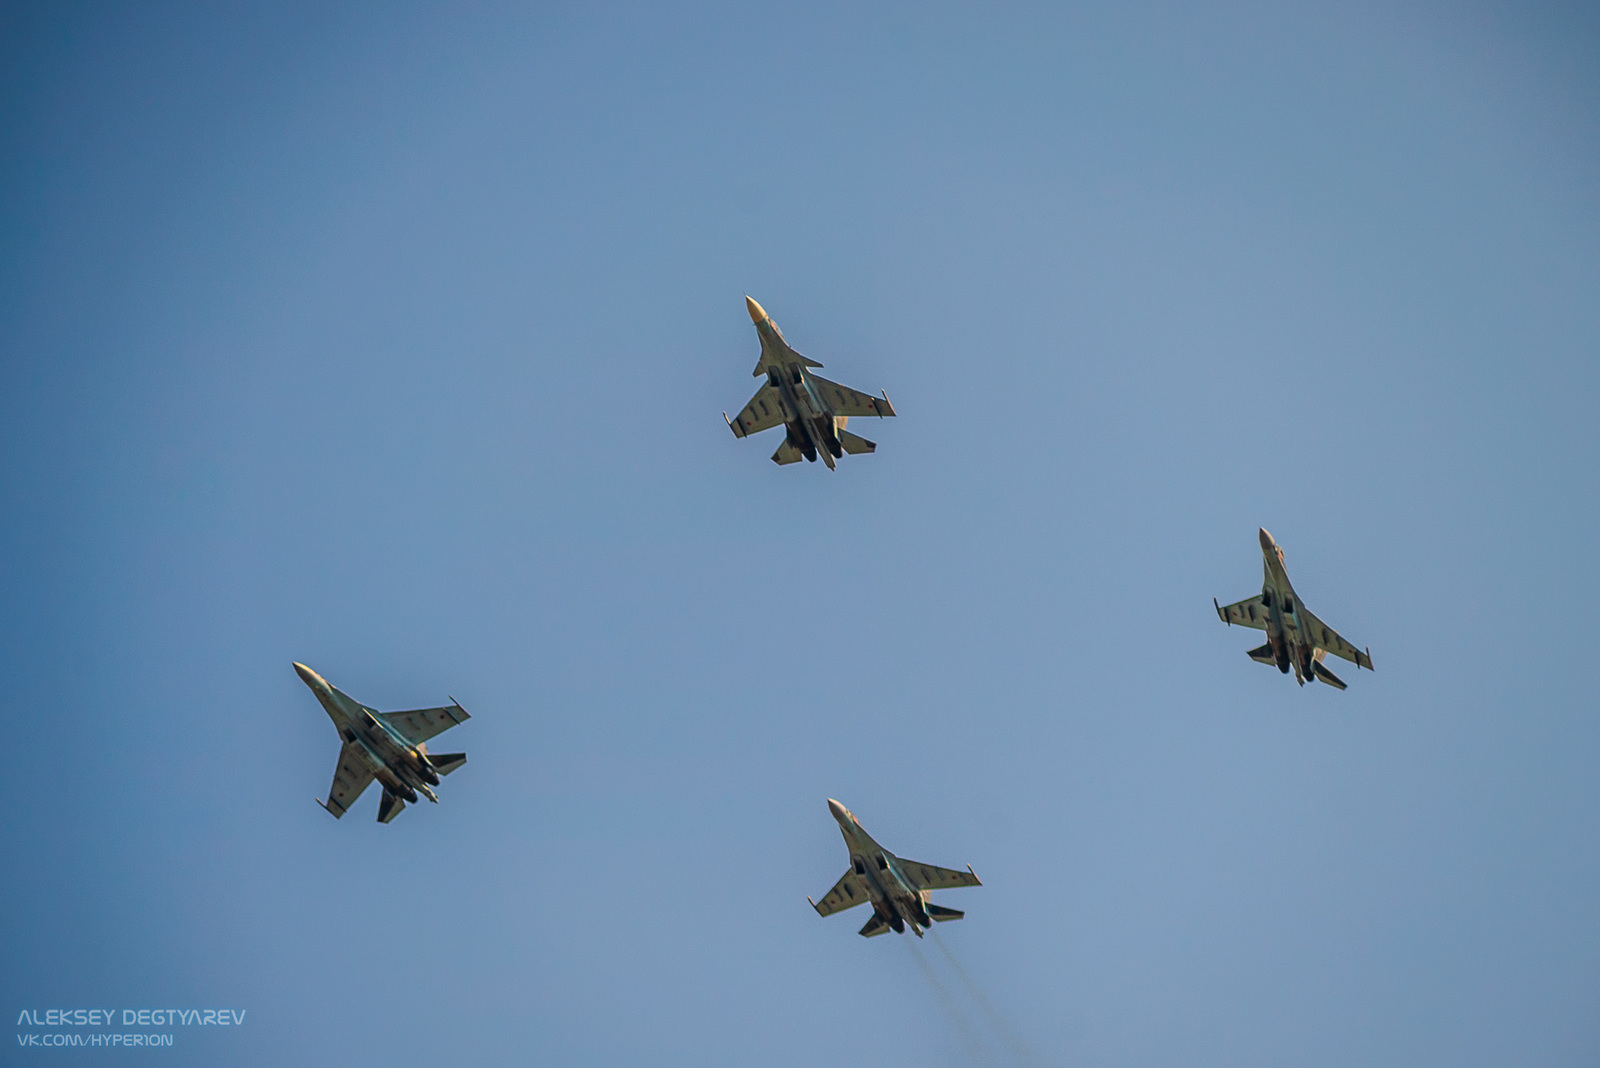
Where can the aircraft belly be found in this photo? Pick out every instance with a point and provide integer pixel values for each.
(876, 891)
(898, 893)
(808, 427)
(801, 401)
(814, 406)
(364, 753)
(390, 764)
(384, 750)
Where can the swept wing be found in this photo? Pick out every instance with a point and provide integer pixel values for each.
(932, 877)
(1323, 636)
(765, 411)
(846, 401)
(847, 893)
(1250, 612)
(350, 778)
(421, 724)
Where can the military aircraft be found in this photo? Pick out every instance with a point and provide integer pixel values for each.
(812, 410)
(896, 888)
(1295, 637)
(387, 746)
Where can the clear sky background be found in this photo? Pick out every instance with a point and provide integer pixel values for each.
(393, 339)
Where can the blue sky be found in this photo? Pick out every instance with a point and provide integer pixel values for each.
(393, 339)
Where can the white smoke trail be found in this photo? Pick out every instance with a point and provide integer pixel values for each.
(1002, 1027)
(966, 1033)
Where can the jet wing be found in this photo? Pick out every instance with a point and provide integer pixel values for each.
(846, 401)
(765, 411)
(847, 893)
(931, 877)
(1247, 613)
(421, 724)
(1323, 636)
(350, 778)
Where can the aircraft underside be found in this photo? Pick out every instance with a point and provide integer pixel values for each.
(819, 438)
(1305, 661)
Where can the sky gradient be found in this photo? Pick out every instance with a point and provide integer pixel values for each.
(393, 339)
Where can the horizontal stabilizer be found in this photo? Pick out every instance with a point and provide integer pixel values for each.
(854, 444)
(445, 763)
(390, 807)
(1263, 655)
(787, 454)
(1324, 674)
(875, 926)
(939, 914)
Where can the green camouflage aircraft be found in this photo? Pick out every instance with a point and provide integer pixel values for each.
(896, 888)
(812, 410)
(387, 746)
(1295, 637)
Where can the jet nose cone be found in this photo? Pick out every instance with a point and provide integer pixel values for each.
(307, 676)
(758, 314)
(1267, 544)
(838, 810)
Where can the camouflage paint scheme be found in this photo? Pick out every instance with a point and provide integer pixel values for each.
(386, 746)
(1295, 638)
(812, 410)
(897, 889)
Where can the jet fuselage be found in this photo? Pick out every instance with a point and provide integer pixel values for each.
(812, 427)
(894, 899)
(1296, 639)
(400, 767)
(1289, 646)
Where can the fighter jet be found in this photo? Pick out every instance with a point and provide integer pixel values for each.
(1295, 637)
(896, 888)
(387, 746)
(812, 410)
